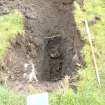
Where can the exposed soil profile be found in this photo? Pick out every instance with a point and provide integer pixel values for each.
(51, 42)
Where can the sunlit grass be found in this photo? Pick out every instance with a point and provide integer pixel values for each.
(8, 97)
(10, 26)
(88, 82)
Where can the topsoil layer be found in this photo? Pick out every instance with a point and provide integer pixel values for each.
(51, 41)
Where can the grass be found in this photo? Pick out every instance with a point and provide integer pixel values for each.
(10, 26)
(89, 92)
(8, 97)
(79, 99)
(93, 9)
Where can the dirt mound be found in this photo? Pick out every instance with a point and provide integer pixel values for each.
(51, 41)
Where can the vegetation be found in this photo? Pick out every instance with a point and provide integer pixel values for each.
(10, 26)
(89, 92)
(8, 97)
(91, 11)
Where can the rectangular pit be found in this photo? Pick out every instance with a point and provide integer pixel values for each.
(53, 59)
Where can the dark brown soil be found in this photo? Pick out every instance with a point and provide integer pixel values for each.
(51, 41)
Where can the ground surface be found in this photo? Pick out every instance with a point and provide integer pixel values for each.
(89, 92)
(54, 56)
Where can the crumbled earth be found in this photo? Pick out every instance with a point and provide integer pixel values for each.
(51, 42)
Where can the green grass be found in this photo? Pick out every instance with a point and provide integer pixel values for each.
(93, 9)
(79, 99)
(10, 26)
(8, 97)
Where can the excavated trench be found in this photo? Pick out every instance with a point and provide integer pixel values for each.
(51, 42)
(54, 53)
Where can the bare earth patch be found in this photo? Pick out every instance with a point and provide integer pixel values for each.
(51, 42)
